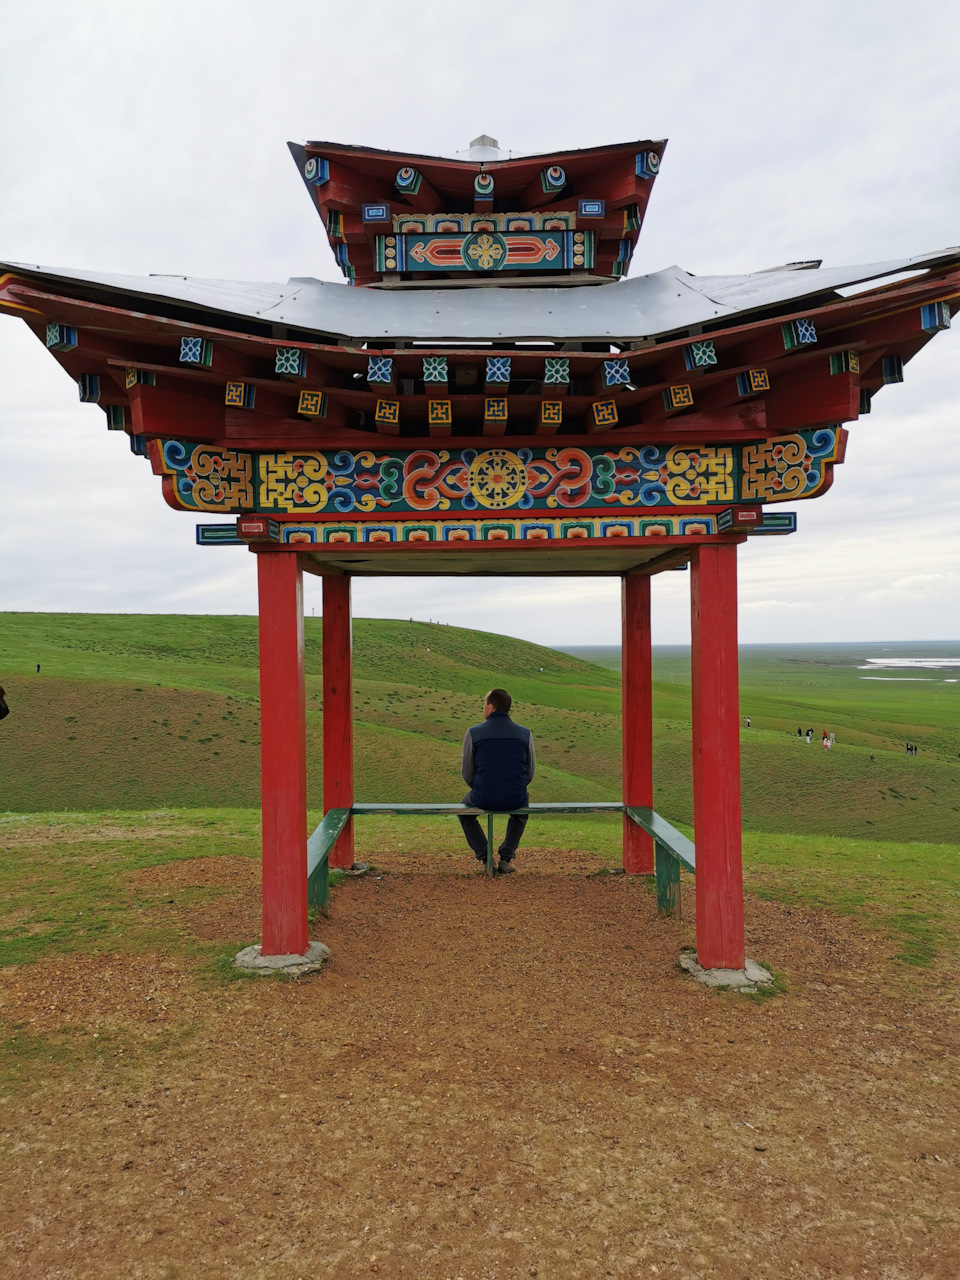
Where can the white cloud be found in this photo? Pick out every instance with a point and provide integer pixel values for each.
(152, 138)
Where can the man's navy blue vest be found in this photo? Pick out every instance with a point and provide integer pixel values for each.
(501, 758)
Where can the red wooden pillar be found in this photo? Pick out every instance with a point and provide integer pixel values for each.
(283, 755)
(716, 756)
(338, 710)
(637, 719)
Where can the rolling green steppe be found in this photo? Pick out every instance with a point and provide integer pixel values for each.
(140, 711)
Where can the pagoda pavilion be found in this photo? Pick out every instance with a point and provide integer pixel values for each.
(489, 393)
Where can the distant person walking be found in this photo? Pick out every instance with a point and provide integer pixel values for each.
(498, 763)
(38, 668)
(799, 733)
(748, 722)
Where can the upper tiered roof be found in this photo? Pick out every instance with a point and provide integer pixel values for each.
(403, 219)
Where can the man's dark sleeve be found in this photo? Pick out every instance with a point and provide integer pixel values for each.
(531, 759)
(467, 768)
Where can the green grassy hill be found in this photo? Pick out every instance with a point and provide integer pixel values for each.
(141, 711)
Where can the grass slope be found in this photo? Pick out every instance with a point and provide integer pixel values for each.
(134, 711)
(70, 880)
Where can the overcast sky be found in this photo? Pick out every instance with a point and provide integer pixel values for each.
(151, 137)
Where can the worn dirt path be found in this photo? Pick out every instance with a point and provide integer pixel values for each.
(491, 1079)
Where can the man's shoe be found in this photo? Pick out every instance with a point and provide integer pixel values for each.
(505, 867)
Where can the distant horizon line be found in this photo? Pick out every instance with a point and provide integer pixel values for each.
(559, 647)
(763, 644)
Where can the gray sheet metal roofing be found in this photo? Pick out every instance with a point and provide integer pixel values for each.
(645, 307)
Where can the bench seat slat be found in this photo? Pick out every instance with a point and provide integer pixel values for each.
(665, 834)
(325, 837)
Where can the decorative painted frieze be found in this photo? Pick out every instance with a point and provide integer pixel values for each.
(892, 368)
(794, 466)
(485, 251)
(462, 223)
(208, 479)
(556, 371)
(648, 164)
(553, 179)
(498, 478)
(497, 529)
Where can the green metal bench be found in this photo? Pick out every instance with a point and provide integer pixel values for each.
(671, 847)
(570, 806)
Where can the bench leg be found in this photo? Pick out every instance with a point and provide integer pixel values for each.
(668, 881)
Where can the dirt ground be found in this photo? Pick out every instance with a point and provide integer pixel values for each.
(499, 1079)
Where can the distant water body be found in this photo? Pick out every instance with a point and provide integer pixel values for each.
(876, 660)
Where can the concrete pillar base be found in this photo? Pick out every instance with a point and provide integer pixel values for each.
(312, 961)
(750, 978)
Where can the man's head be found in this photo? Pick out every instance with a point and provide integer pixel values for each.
(496, 700)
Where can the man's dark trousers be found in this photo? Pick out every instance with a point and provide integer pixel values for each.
(476, 838)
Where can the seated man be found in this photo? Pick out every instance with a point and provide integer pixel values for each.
(498, 762)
